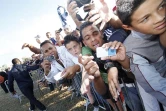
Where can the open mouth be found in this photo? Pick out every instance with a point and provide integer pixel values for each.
(96, 45)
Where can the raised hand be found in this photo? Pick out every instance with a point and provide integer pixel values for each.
(46, 65)
(90, 66)
(120, 51)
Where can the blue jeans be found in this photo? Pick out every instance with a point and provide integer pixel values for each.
(132, 99)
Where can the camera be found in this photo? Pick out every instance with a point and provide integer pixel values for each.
(60, 30)
(81, 14)
(50, 58)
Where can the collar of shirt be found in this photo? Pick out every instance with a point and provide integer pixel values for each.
(140, 35)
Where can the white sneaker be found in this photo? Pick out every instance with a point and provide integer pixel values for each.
(30, 109)
(15, 96)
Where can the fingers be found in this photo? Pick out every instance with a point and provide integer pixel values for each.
(103, 23)
(116, 82)
(92, 68)
(85, 86)
(97, 21)
(88, 7)
(94, 18)
(112, 45)
(68, 2)
(90, 65)
(64, 73)
(45, 62)
(113, 82)
(46, 65)
(93, 12)
(90, 77)
(84, 59)
(24, 45)
(72, 7)
(113, 90)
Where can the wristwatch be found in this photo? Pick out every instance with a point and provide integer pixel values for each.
(108, 65)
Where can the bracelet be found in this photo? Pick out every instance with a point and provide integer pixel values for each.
(126, 70)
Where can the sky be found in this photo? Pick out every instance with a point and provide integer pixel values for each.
(21, 21)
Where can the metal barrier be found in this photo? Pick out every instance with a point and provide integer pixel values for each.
(76, 83)
(103, 104)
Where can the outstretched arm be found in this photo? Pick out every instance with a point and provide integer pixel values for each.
(104, 14)
(31, 68)
(72, 8)
(31, 48)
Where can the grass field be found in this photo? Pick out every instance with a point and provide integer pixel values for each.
(54, 101)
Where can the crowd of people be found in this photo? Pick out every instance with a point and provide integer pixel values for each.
(136, 75)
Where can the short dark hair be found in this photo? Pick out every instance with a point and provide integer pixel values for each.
(15, 61)
(45, 42)
(47, 33)
(126, 8)
(69, 38)
(84, 25)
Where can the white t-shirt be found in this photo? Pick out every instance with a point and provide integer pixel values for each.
(67, 60)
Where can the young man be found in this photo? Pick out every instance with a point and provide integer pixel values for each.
(146, 56)
(20, 73)
(74, 47)
(59, 38)
(93, 38)
(64, 62)
(48, 35)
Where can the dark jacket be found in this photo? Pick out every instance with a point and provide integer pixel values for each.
(21, 75)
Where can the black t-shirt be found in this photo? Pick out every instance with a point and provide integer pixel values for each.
(110, 35)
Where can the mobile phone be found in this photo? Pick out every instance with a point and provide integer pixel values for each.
(102, 52)
(50, 58)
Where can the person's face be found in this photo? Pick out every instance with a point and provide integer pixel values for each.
(76, 33)
(149, 18)
(92, 37)
(38, 41)
(58, 36)
(49, 49)
(74, 48)
(18, 61)
(48, 35)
